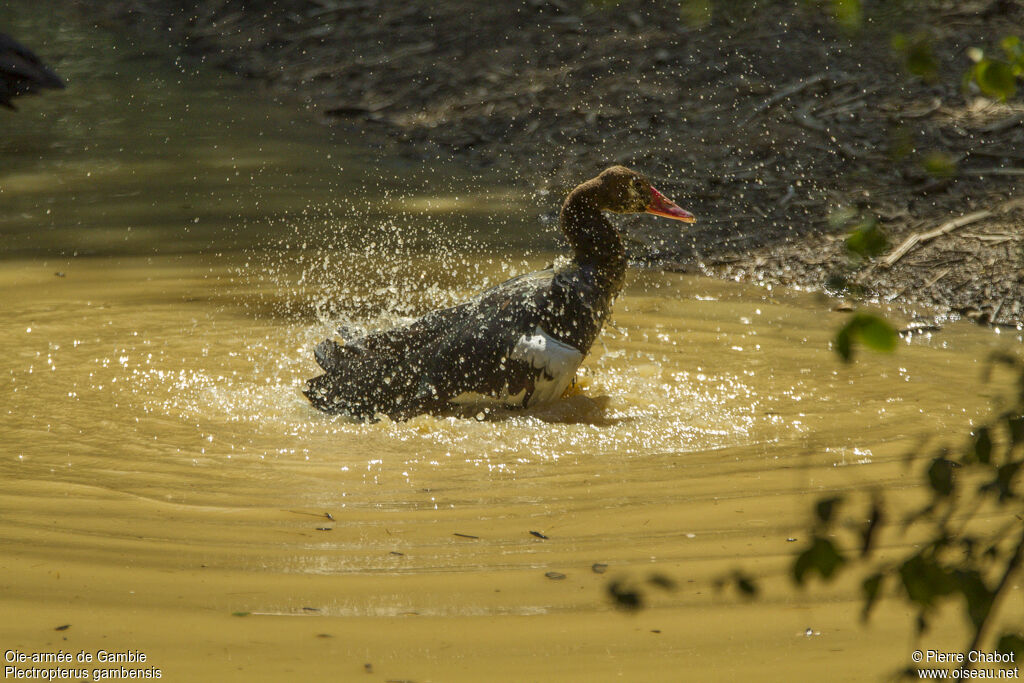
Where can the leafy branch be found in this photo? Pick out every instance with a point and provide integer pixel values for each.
(997, 77)
(960, 558)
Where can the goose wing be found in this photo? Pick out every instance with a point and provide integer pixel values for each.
(420, 367)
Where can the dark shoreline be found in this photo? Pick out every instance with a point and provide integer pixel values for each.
(765, 122)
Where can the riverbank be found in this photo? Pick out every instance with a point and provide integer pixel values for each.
(777, 127)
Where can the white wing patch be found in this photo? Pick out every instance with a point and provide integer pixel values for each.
(557, 360)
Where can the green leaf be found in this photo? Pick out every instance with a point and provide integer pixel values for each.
(695, 13)
(1011, 642)
(848, 13)
(1013, 48)
(924, 580)
(917, 53)
(662, 581)
(939, 165)
(983, 445)
(825, 508)
(746, 585)
(821, 557)
(870, 330)
(901, 141)
(921, 60)
(625, 597)
(940, 476)
(970, 544)
(1015, 425)
(844, 343)
(875, 521)
(1004, 481)
(871, 588)
(979, 598)
(876, 333)
(995, 78)
(867, 240)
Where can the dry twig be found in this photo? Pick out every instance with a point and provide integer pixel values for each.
(994, 171)
(922, 237)
(783, 94)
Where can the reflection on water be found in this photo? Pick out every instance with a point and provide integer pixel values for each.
(140, 157)
(162, 470)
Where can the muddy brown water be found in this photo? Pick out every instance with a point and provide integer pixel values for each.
(167, 490)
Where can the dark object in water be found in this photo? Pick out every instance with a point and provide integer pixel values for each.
(22, 72)
(625, 597)
(518, 344)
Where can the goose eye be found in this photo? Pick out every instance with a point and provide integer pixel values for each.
(640, 191)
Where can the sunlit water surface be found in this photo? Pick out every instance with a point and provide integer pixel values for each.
(167, 488)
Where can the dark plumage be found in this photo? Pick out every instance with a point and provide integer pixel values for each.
(21, 72)
(519, 342)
